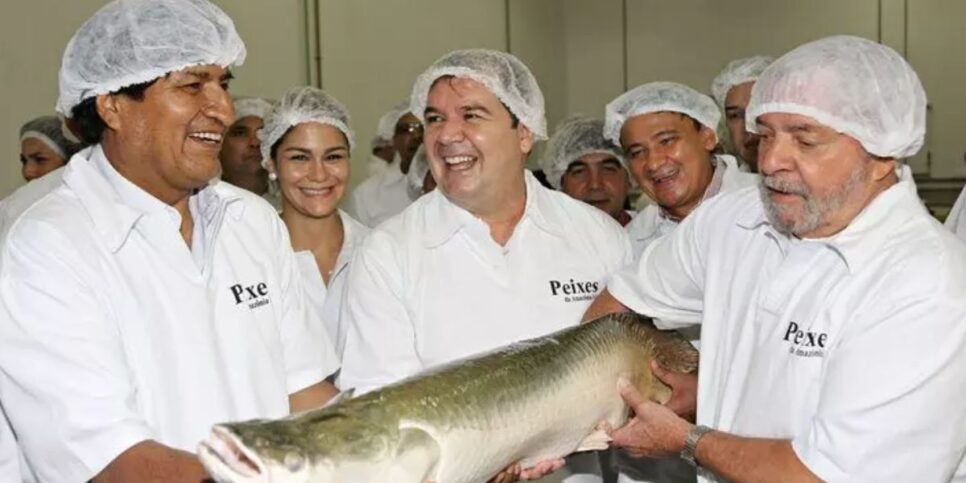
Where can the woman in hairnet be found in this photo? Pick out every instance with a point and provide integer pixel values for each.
(43, 147)
(306, 143)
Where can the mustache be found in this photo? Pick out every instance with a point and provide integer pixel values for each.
(785, 186)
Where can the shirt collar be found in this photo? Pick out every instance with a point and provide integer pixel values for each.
(115, 204)
(444, 218)
(862, 239)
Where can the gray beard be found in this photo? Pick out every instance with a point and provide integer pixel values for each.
(817, 209)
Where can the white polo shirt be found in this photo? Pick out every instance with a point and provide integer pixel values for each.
(651, 223)
(852, 346)
(113, 332)
(430, 285)
(956, 221)
(327, 301)
(381, 196)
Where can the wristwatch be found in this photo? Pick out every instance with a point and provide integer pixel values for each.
(691, 442)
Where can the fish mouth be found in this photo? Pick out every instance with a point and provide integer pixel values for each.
(227, 459)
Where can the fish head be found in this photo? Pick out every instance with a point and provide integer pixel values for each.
(292, 451)
(230, 456)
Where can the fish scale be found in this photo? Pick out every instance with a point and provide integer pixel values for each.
(464, 421)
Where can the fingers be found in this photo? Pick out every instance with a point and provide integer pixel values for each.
(630, 394)
(542, 469)
(509, 475)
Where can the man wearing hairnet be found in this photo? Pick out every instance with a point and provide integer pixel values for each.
(43, 147)
(956, 220)
(240, 156)
(581, 163)
(732, 91)
(668, 134)
(381, 149)
(833, 345)
(386, 193)
(483, 260)
(140, 303)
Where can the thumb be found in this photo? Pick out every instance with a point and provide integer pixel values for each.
(631, 395)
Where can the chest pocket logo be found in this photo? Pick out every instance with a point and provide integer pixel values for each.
(253, 295)
(572, 291)
(805, 343)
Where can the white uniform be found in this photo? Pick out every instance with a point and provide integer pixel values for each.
(12, 465)
(956, 221)
(852, 346)
(430, 285)
(113, 332)
(327, 301)
(651, 223)
(380, 197)
(12, 206)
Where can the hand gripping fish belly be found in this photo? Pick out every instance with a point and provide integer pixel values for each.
(463, 422)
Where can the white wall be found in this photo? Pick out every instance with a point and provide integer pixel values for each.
(583, 52)
(33, 35)
(372, 50)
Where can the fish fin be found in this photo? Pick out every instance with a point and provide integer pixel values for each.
(416, 456)
(598, 440)
(342, 396)
(675, 353)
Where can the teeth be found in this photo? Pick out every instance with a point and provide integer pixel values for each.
(207, 136)
(458, 159)
(316, 191)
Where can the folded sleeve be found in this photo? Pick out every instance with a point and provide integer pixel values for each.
(667, 281)
(883, 416)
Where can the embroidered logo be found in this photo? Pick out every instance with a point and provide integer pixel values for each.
(805, 343)
(574, 291)
(253, 295)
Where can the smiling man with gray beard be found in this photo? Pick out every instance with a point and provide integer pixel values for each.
(831, 303)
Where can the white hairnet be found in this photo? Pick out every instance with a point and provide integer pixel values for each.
(738, 72)
(852, 85)
(417, 173)
(379, 142)
(252, 106)
(502, 73)
(386, 128)
(659, 97)
(300, 105)
(49, 130)
(130, 42)
(575, 137)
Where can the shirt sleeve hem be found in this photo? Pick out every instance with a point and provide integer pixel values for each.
(666, 321)
(820, 466)
(305, 378)
(100, 452)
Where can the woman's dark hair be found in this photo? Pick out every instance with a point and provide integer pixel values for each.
(88, 122)
(273, 151)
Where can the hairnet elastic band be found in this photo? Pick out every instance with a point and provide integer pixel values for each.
(44, 139)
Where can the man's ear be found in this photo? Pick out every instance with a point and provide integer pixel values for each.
(109, 107)
(882, 168)
(709, 138)
(526, 138)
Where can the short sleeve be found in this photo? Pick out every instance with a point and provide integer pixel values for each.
(667, 281)
(380, 341)
(886, 417)
(308, 351)
(65, 381)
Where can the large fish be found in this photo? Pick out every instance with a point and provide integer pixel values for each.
(463, 422)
